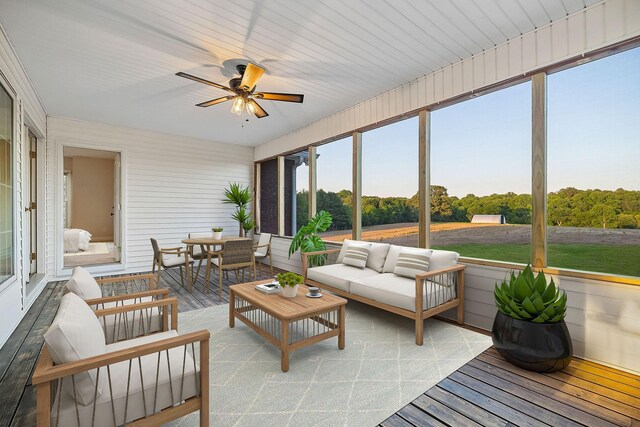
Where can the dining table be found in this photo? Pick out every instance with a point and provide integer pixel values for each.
(206, 244)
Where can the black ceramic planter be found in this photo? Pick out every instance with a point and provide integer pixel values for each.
(538, 347)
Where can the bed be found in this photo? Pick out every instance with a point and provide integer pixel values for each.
(76, 239)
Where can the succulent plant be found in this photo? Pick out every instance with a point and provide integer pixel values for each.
(526, 297)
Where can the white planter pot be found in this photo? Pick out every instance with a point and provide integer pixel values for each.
(217, 235)
(289, 291)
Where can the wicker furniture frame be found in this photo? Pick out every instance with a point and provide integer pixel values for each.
(236, 254)
(159, 263)
(453, 274)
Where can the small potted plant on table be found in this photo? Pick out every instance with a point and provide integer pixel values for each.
(289, 283)
(529, 329)
(217, 233)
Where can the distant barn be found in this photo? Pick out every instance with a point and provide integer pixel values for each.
(489, 219)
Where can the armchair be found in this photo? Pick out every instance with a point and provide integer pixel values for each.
(82, 381)
(181, 259)
(263, 249)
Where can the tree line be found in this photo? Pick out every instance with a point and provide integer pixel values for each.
(568, 207)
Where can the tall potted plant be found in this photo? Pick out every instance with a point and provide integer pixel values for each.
(307, 239)
(529, 329)
(240, 196)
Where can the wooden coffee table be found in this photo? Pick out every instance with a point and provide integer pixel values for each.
(288, 323)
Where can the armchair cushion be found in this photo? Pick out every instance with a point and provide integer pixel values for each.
(174, 260)
(138, 403)
(76, 334)
(83, 284)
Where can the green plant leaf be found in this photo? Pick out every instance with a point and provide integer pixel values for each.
(528, 305)
(540, 285)
(550, 293)
(521, 289)
(538, 303)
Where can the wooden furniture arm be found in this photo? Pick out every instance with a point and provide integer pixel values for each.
(172, 251)
(105, 280)
(262, 246)
(164, 293)
(325, 252)
(46, 372)
(166, 302)
(429, 274)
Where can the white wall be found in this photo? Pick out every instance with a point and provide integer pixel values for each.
(172, 186)
(603, 318)
(28, 108)
(592, 28)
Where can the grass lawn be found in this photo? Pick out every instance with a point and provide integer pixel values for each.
(613, 259)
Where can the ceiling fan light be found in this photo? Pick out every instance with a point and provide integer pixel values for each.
(251, 108)
(238, 106)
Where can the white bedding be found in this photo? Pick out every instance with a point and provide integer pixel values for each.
(76, 239)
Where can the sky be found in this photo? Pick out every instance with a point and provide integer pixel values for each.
(483, 145)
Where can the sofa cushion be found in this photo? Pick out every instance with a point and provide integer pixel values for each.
(76, 334)
(83, 284)
(356, 255)
(412, 262)
(338, 275)
(439, 259)
(398, 291)
(442, 259)
(377, 253)
(138, 404)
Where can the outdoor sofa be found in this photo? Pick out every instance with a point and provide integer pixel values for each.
(424, 283)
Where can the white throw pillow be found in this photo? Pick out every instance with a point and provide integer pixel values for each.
(76, 334)
(392, 259)
(412, 262)
(83, 284)
(356, 255)
(343, 250)
(377, 255)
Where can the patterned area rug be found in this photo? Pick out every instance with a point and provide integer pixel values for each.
(380, 370)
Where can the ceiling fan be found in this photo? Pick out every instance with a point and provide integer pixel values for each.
(243, 91)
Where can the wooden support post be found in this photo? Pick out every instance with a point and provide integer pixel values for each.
(281, 212)
(424, 178)
(356, 197)
(539, 171)
(313, 182)
(204, 383)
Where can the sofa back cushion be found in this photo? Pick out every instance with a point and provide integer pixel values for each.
(443, 259)
(439, 259)
(356, 255)
(377, 253)
(83, 284)
(76, 334)
(412, 262)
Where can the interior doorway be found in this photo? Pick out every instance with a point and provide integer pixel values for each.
(91, 207)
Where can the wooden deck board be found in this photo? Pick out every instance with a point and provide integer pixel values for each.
(489, 391)
(19, 355)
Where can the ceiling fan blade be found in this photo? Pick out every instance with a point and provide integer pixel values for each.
(256, 109)
(251, 75)
(273, 96)
(203, 81)
(215, 101)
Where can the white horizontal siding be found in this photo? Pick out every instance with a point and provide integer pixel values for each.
(602, 317)
(173, 185)
(592, 28)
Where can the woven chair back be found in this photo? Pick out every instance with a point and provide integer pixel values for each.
(237, 252)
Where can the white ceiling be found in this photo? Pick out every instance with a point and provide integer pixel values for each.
(114, 61)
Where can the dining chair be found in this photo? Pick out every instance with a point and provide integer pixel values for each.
(196, 250)
(263, 249)
(235, 255)
(178, 260)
